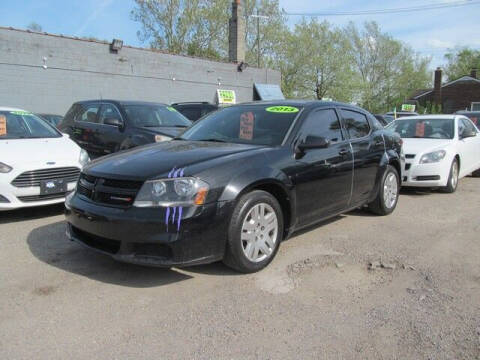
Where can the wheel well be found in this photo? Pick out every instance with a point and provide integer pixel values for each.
(397, 167)
(282, 197)
(458, 159)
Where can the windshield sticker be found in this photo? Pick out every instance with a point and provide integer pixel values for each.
(174, 173)
(247, 121)
(3, 125)
(282, 109)
(172, 109)
(420, 129)
(20, 112)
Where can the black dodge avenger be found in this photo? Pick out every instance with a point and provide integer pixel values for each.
(235, 184)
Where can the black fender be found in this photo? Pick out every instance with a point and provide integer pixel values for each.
(268, 179)
(134, 141)
(390, 157)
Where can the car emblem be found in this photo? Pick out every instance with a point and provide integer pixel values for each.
(51, 163)
(50, 185)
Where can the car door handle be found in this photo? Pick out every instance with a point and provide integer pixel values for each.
(343, 152)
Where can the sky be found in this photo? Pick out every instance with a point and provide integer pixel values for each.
(431, 33)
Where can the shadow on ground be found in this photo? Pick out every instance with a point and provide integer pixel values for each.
(32, 213)
(50, 245)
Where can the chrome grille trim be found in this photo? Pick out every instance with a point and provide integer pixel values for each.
(34, 177)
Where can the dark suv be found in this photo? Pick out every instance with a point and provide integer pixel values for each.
(195, 110)
(106, 126)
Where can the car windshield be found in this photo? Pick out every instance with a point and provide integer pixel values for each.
(245, 124)
(24, 125)
(156, 116)
(424, 128)
(52, 119)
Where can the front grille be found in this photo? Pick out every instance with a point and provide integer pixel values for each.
(34, 177)
(409, 156)
(96, 242)
(32, 198)
(108, 191)
(408, 166)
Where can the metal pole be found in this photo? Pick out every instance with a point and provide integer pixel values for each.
(258, 40)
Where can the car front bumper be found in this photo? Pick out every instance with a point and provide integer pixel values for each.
(426, 175)
(142, 236)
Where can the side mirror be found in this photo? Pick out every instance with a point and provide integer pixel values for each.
(313, 142)
(113, 121)
(468, 133)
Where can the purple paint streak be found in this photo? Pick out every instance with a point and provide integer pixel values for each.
(180, 210)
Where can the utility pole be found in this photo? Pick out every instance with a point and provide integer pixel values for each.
(258, 34)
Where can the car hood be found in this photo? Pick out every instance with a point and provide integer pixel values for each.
(20, 151)
(420, 146)
(165, 130)
(158, 160)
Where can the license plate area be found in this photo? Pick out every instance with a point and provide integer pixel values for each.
(48, 187)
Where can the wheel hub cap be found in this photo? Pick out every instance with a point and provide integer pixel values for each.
(259, 232)
(390, 190)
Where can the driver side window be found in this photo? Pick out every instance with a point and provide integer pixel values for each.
(322, 123)
(108, 111)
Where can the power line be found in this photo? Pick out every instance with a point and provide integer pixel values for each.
(389, 11)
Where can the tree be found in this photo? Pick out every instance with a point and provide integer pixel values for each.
(187, 27)
(388, 70)
(33, 26)
(461, 61)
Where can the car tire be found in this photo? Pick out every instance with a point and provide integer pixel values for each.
(251, 227)
(452, 182)
(388, 192)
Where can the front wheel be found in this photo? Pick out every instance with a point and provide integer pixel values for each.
(387, 196)
(452, 178)
(255, 232)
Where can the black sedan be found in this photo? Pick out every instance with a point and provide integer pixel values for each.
(235, 184)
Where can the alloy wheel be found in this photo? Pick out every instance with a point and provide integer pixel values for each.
(390, 190)
(454, 179)
(259, 232)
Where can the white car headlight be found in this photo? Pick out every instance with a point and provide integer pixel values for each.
(162, 138)
(433, 157)
(4, 168)
(187, 191)
(84, 158)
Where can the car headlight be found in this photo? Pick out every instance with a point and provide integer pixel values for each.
(433, 157)
(4, 168)
(186, 191)
(84, 158)
(162, 138)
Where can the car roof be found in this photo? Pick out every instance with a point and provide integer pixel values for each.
(401, 112)
(5, 108)
(302, 103)
(430, 117)
(193, 103)
(122, 102)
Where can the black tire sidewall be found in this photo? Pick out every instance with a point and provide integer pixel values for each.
(449, 188)
(241, 210)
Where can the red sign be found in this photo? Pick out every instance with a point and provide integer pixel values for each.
(3, 125)
(247, 121)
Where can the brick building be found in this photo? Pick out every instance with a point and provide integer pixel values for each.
(454, 95)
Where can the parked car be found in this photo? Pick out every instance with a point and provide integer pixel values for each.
(472, 115)
(194, 110)
(390, 116)
(39, 165)
(439, 150)
(235, 184)
(51, 118)
(106, 126)
(382, 119)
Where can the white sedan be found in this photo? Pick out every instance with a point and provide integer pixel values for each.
(38, 165)
(439, 150)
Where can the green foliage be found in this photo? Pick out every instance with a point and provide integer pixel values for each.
(460, 62)
(431, 108)
(33, 26)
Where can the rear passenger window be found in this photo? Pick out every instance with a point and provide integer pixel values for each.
(323, 123)
(88, 113)
(356, 124)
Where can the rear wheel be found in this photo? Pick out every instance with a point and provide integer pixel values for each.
(452, 178)
(387, 197)
(255, 232)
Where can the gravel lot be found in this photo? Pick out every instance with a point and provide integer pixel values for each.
(317, 300)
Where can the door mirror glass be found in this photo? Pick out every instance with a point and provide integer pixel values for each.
(313, 142)
(113, 122)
